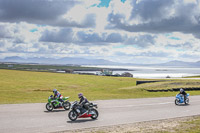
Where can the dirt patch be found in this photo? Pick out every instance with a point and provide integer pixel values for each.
(182, 125)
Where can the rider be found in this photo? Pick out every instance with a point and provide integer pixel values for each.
(83, 101)
(183, 93)
(57, 95)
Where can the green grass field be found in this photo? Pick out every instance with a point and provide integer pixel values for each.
(42, 67)
(32, 87)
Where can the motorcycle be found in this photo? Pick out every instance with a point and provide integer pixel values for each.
(54, 103)
(77, 111)
(180, 99)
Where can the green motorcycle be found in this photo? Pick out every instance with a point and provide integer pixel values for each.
(54, 103)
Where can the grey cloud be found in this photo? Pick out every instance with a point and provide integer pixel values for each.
(99, 38)
(20, 10)
(5, 32)
(89, 21)
(36, 45)
(43, 48)
(178, 24)
(2, 43)
(155, 17)
(54, 48)
(197, 35)
(151, 9)
(62, 36)
(19, 39)
(18, 48)
(114, 38)
(89, 38)
(66, 35)
(141, 41)
(185, 45)
(45, 12)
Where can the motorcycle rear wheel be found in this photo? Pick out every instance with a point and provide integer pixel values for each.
(72, 115)
(187, 101)
(95, 115)
(49, 107)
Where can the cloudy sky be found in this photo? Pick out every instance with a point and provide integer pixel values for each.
(132, 31)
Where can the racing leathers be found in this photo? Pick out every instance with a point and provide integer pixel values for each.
(184, 94)
(84, 102)
(58, 96)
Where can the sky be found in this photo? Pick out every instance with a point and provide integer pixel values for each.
(125, 31)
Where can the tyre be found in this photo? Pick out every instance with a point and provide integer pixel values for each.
(49, 107)
(177, 101)
(95, 113)
(66, 105)
(72, 115)
(187, 101)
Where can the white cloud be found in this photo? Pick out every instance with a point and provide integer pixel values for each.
(190, 1)
(89, 3)
(76, 14)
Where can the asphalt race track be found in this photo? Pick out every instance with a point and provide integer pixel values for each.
(23, 118)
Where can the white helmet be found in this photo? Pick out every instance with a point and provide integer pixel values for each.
(181, 90)
(54, 90)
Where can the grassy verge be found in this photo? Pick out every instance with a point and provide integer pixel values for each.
(169, 84)
(193, 77)
(174, 125)
(32, 87)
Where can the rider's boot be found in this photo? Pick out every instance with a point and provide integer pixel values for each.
(184, 98)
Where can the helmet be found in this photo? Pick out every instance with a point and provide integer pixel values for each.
(181, 90)
(80, 95)
(54, 90)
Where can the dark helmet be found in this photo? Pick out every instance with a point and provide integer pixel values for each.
(80, 95)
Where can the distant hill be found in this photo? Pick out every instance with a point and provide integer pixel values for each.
(174, 63)
(83, 61)
(177, 63)
(65, 60)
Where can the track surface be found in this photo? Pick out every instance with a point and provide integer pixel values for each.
(23, 118)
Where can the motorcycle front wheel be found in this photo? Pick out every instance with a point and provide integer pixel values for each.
(66, 105)
(49, 107)
(95, 113)
(72, 115)
(176, 101)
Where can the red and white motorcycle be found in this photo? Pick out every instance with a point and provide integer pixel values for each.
(77, 111)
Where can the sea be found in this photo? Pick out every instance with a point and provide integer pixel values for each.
(152, 72)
